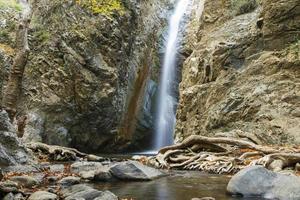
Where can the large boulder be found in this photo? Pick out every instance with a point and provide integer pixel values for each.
(12, 150)
(70, 180)
(132, 170)
(42, 195)
(82, 191)
(258, 181)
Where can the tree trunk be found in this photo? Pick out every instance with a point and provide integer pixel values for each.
(14, 84)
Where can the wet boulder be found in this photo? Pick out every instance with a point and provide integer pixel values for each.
(258, 181)
(12, 151)
(132, 170)
(43, 195)
(70, 180)
(83, 191)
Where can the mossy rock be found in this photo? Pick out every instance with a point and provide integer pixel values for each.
(243, 6)
(105, 7)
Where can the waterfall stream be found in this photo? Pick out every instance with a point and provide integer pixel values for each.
(166, 102)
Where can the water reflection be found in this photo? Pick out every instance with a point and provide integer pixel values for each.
(179, 186)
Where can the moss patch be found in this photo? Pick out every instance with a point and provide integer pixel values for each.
(105, 7)
(10, 4)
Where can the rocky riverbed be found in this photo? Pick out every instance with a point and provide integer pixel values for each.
(47, 181)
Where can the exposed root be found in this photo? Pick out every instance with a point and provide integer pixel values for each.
(223, 155)
(59, 153)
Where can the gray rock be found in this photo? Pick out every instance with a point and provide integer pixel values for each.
(25, 181)
(103, 175)
(11, 196)
(85, 166)
(85, 192)
(87, 175)
(70, 180)
(89, 194)
(9, 186)
(12, 151)
(94, 158)
(43, 195)
(74, 189)
(55, 168)
(22, 169)
(34, 128)
(258, 181)
(107, 195)
(5, 124)
(19, 196)
(132, 170)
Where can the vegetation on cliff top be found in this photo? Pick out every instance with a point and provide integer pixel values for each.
(10, 4)
(106, 7)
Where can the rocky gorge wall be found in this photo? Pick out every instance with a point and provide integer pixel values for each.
(242, 77)
(85, 64)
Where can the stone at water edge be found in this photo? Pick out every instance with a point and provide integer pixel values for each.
(132, 170)
(70, 180)
(78, 167)
(86, 192)
(25, 181)
(43, 195)
(103, 175)
(258, 181)
(94, 158)
(107, 195)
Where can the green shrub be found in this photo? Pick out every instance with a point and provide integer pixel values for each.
(10, 4)
(106, 7)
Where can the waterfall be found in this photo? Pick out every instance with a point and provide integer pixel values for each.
(166, 102)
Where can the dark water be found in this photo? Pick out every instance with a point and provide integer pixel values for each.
(179, 186)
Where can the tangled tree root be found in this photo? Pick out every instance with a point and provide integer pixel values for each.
(59, 153)
(223, 155)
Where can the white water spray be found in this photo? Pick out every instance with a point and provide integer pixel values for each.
(165, 118)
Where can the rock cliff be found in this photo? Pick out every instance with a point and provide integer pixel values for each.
(89, 71)
(242, 77)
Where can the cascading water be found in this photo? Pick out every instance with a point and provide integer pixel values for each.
(166, 103)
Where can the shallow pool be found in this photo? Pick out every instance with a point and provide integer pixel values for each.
(181, 185)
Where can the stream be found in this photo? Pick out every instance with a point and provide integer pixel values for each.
(181, 185)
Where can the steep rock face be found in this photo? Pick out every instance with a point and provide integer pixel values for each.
(85, 65)
(12, 150)
(243, 73)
